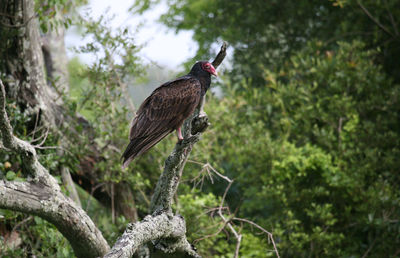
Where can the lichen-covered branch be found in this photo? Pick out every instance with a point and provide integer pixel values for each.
(38, 199)
(41, 195)
(169, 180)
(155, 227)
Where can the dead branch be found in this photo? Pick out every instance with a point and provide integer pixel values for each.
(221, 55)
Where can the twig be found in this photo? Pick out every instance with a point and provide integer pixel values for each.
(8, 15)
(211, 235)
(391, 18)
(339, 129)
(239, 240)
(112, 203)
(373, 18)
(21, 223)
(44, 136)
(263, 230)
(91, 195)
(51, 148)
(36, 123)
(228, 222)
(369, 248)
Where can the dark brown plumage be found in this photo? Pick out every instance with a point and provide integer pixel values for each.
(166, 109)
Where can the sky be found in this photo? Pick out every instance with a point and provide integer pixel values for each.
(160, 44)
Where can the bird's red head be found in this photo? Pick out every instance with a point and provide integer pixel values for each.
(206, 66)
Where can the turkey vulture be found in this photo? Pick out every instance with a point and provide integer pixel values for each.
(166, 109)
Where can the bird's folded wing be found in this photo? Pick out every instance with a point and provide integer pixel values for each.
(166, 108)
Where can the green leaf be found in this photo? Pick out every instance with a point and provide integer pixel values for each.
(10, 175)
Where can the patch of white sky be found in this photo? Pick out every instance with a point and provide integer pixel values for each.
(160, 44)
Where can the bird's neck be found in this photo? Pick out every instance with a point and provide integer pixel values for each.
(205, 81)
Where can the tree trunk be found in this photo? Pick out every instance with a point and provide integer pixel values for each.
(22, 61)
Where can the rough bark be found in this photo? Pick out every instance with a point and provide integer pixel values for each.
(169, 180)
(22, 60)
(152, 228)
(55, 57)
(41, 195)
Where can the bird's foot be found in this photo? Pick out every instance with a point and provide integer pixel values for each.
(179, 134)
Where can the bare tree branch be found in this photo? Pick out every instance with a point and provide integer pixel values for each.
(169, 180)
(221, 55)
(38, 199)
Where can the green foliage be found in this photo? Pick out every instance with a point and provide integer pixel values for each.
(39, 237)
(313, 152)
(266, 33)
(189, 206)
(53, 14)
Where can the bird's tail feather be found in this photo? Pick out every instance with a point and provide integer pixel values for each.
(129, 153)
(139, 146)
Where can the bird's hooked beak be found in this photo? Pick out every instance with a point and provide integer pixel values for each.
(213, 71)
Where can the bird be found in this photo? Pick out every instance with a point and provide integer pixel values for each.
(166, 109)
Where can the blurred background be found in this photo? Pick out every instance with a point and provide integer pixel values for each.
(305, 118)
